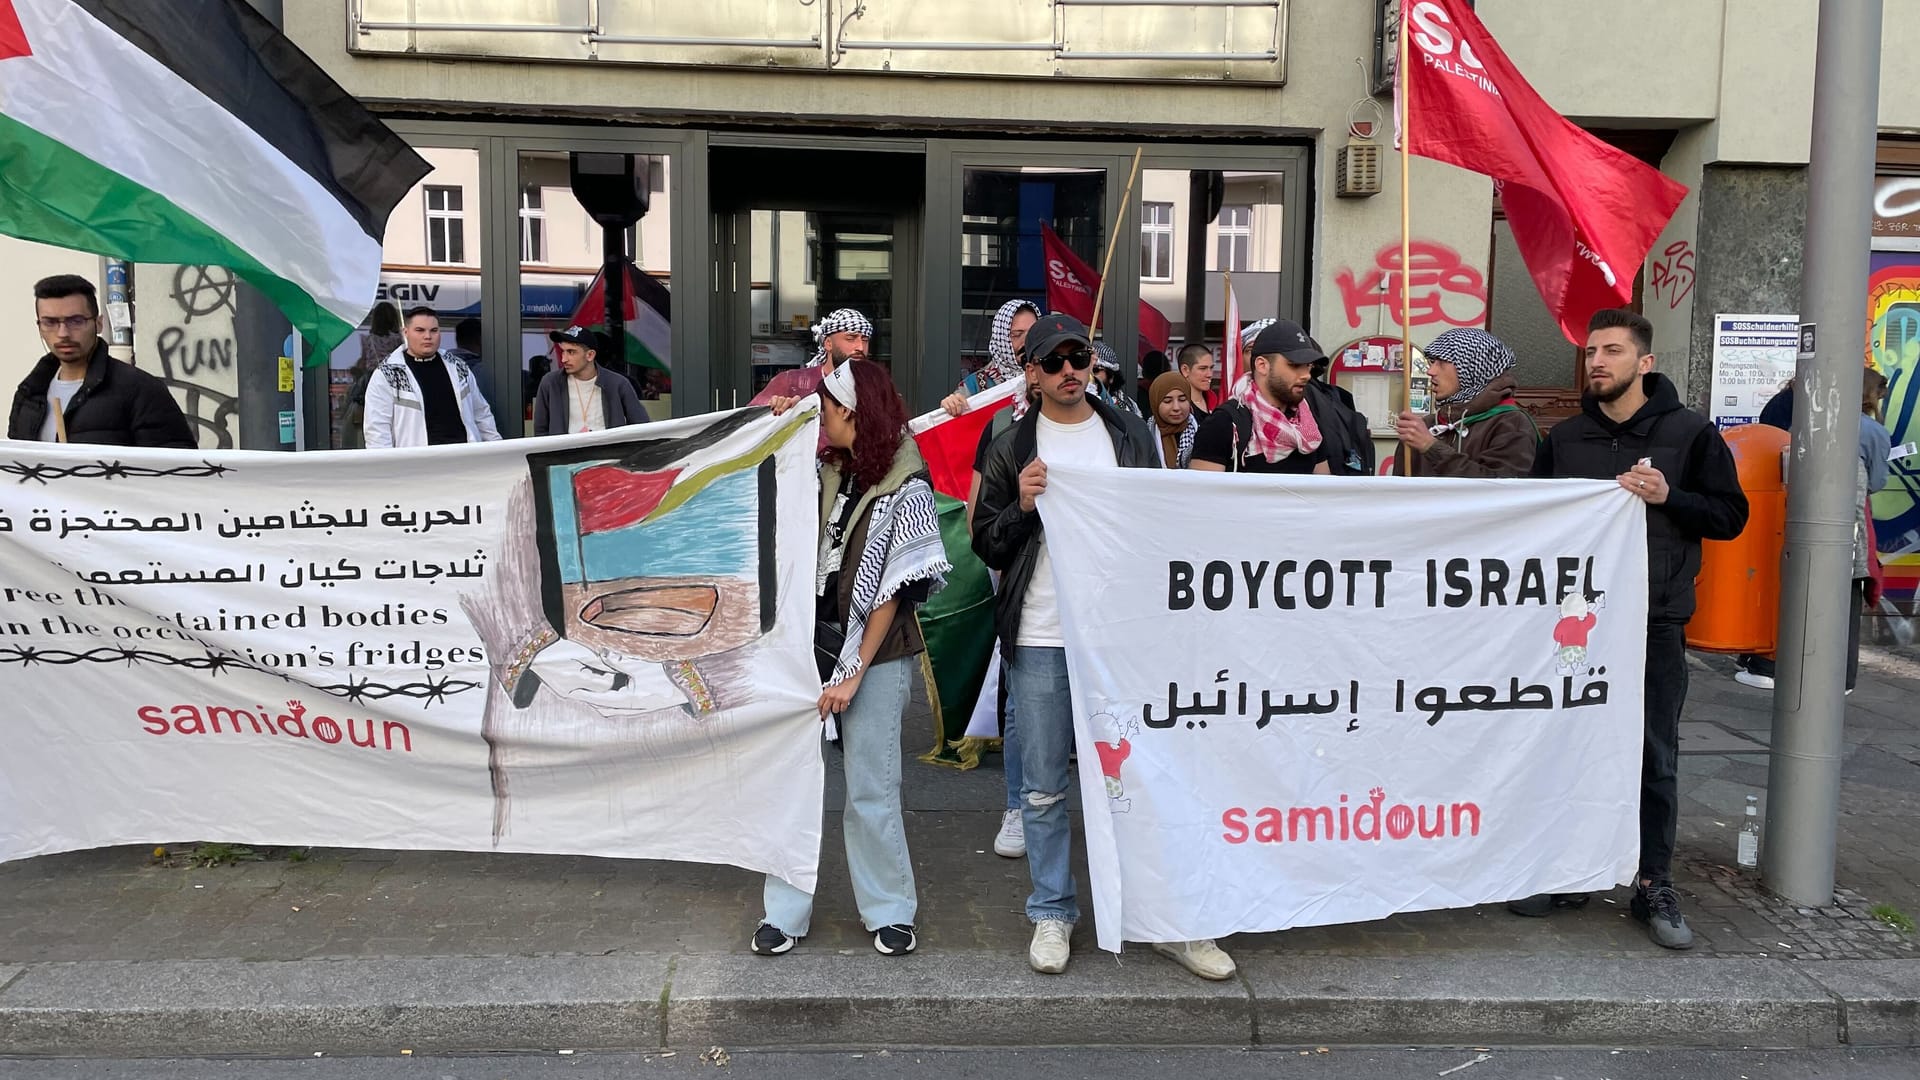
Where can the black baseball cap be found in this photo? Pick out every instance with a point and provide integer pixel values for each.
(578, 335)
(1288, 340)
(1050, 332)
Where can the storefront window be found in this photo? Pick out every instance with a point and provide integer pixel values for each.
(1003, 214)
(424, 262)
(560, 271)
(1244, 239)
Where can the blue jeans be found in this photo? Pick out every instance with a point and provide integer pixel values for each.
(1037, 681)
(876, 833)
(1010, 749)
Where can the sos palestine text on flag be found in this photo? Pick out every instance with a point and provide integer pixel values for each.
(196, 133)
(1584, 214)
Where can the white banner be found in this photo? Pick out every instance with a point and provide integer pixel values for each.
(1366, 696)
(590, 644)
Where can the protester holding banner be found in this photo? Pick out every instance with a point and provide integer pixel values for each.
(880, 554)
(1633, 429)
(1005, 339)
(845, 334)
(1068, 428)
(1171, 399)
(1479, 430)
(1263, 426)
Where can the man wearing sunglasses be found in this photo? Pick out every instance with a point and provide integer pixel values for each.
(1069, 427)
(77, 393)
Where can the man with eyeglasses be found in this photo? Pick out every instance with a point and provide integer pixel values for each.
(1068, 428)
(77, 393)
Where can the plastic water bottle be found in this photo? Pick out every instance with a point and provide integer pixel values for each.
(1749, 849)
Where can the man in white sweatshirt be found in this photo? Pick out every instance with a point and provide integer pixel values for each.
(420, 396)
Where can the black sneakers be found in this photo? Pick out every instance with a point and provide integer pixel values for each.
(1658, 905)
(895, 940)
(1541, 905)
(770, 940)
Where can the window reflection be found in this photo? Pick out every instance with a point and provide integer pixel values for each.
(1002, 257)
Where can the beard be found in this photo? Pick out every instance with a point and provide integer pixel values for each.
(1606, 395)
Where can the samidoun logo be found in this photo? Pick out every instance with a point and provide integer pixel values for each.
(1435, 33)
(1058, 271)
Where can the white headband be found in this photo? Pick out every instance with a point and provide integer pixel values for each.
(839, 384)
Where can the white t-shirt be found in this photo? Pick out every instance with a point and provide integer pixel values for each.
(585, 396)
(62, 392)
(1084, 443)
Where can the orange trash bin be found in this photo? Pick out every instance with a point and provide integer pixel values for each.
(1738, 590)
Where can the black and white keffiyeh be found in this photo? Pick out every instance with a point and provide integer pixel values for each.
(1478, 356)
(837, 321)
(903, 546)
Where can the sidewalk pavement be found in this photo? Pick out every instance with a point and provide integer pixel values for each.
(114, 952)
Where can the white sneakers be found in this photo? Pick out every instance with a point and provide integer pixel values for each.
(1203, 958)
(1011, 841)
(1051, 946)
(1748, 678)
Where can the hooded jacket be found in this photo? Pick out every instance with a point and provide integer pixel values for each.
(1501, 444)
(117, 404)
(1704, 499)
(1008, 538)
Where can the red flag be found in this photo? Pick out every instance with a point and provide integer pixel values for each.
(1071, 284)
(948, 442)
(1584, 214)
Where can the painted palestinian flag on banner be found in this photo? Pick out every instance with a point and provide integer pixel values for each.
(646, 314)
(196, 133)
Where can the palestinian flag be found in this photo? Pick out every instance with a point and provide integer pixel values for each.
(646, 313)
(957, 622)
(195, 133)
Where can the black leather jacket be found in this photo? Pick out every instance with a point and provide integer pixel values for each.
(1006, 537)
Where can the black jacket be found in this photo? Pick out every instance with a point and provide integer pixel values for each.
(619, 402)
(117, 404)
(1343, 430)
(1704, 500)
(1006, 537)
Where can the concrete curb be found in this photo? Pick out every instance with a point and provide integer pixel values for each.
(437, 1005)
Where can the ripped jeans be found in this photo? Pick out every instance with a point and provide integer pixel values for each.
(1037, 683)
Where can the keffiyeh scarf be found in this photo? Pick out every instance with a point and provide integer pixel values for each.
(903, 546)
(837, 321)
(1002, 363)
(1478, 356)
(1276, 435)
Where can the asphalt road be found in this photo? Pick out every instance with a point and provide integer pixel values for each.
(1063, 1064)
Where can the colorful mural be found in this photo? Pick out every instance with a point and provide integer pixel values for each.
(1893, 346)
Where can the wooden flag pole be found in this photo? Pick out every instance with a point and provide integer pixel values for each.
(1406, 217)
(1229, 373)
(1113, 234)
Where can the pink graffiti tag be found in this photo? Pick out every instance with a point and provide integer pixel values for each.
(1673, 274)
(1443, 288)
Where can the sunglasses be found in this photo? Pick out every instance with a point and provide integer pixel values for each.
(1081, 359)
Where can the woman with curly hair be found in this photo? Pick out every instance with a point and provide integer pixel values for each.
(880, 553)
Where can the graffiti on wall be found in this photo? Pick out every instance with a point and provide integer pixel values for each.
(1670, 277)
(184, 333)
(1444, 288)
(1893, 347)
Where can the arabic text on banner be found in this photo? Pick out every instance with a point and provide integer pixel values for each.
(1368, 696)
(595, 644)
